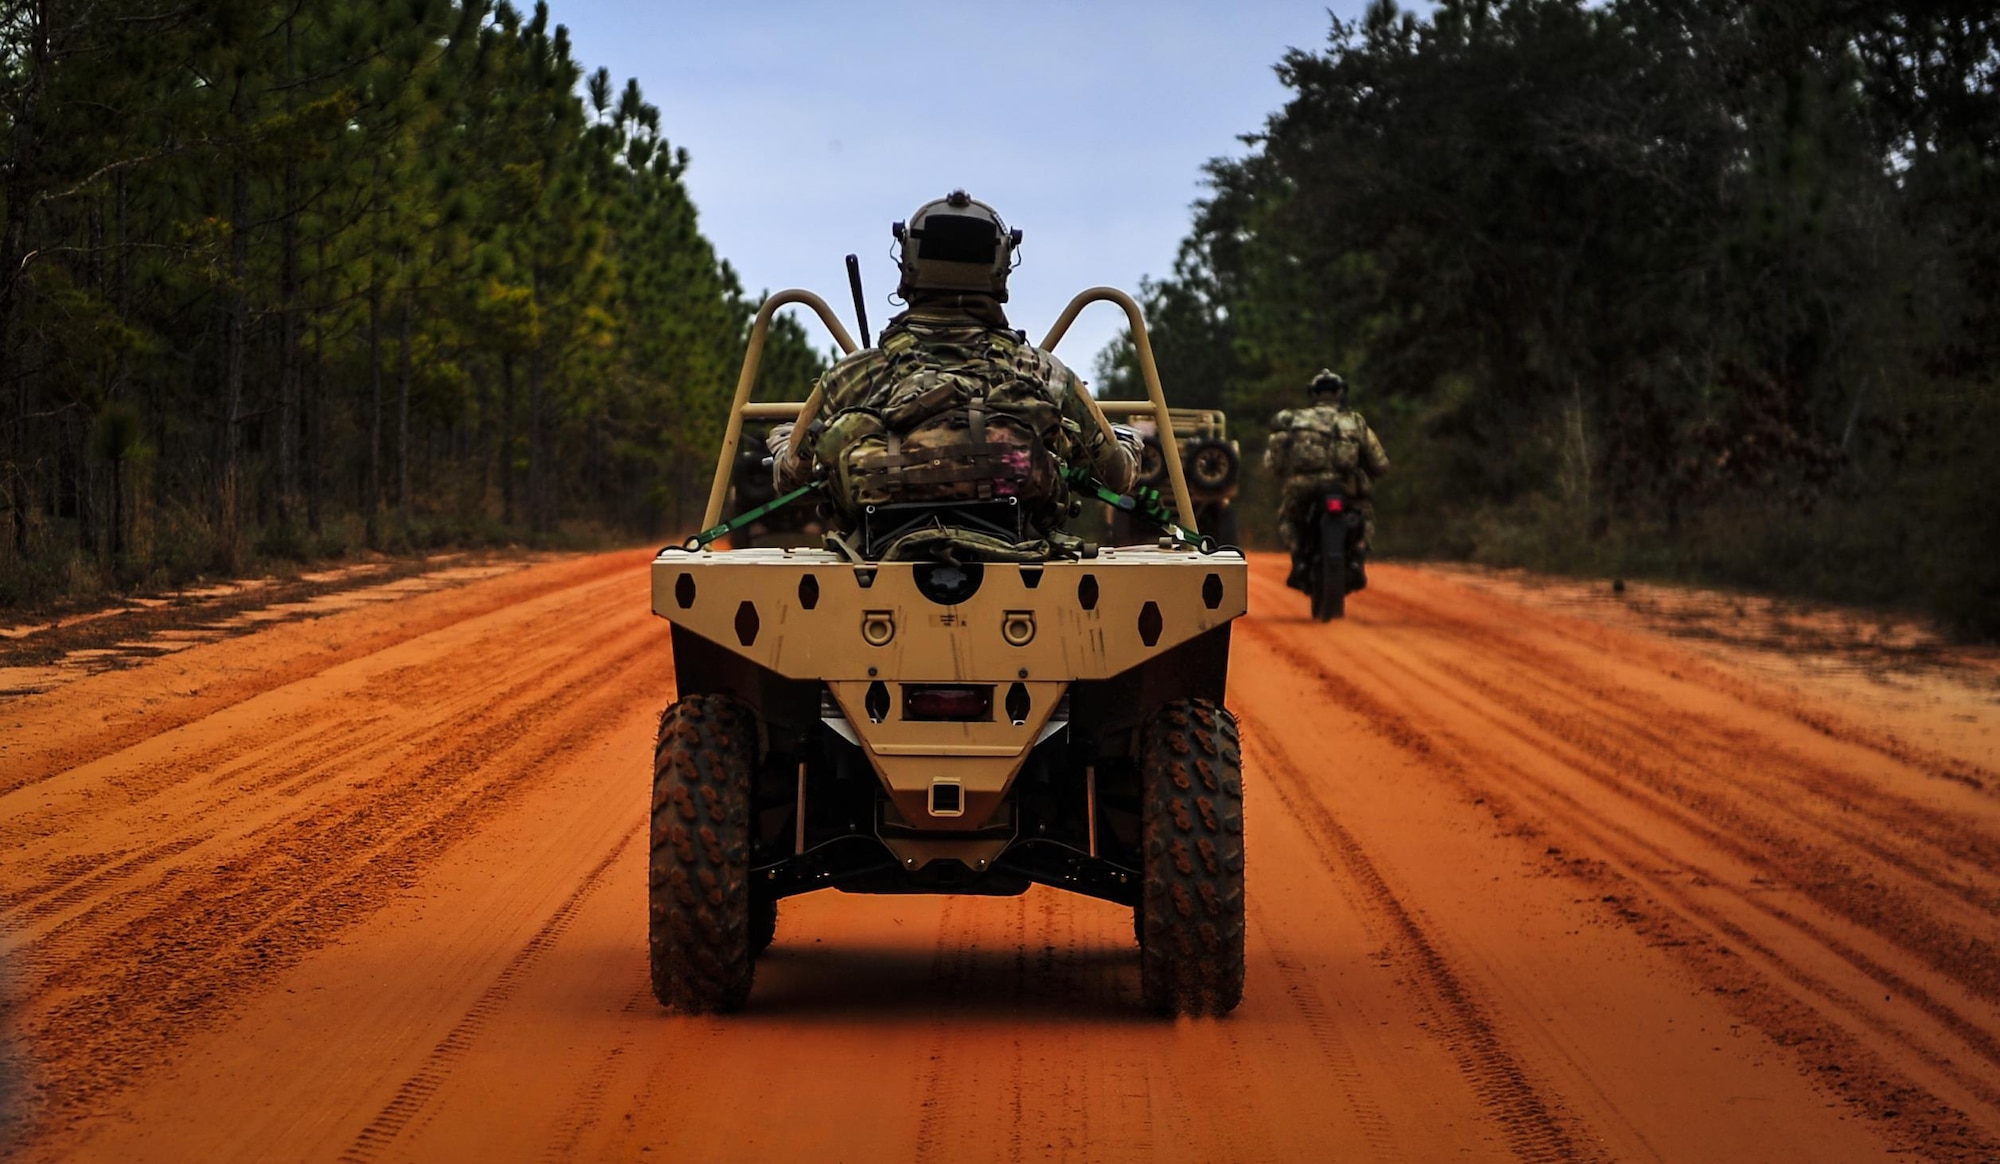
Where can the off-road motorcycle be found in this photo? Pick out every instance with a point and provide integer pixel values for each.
(1330, 562)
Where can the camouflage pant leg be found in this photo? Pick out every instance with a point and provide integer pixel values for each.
(1293, 503)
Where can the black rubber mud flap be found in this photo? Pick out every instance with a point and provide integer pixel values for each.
(763, 922)
(698, 879)
(1191, 912)
(1329, 571)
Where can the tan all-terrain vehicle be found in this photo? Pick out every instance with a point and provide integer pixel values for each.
(930, 727)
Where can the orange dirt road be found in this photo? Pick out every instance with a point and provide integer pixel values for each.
(1523, 885)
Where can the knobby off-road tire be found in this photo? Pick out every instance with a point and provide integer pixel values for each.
(1191, 911)
(1209, 464)
(698, 880)
(1152, 468)
(1329, 568)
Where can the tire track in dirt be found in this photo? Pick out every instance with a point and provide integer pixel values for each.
(320, 839)
(1831, 878)
(65, 887)
(1907, 1113)
(584, 1113)
(1536, 1128)
(585, 1109)
(1828, 877)
(1813, 792)
(287, 886)
(1383, 1142)
(1638, 854)
(1635, 856)
(1673, 750)
(275, 657)
(416, 1090)
(1444, 603)
(949, 975)
(281, 753)
(257, 808)
(248, 773)
(1395, 1002)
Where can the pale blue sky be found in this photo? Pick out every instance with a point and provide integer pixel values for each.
(813, 126)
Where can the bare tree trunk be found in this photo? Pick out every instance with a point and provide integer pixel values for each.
(122, 297)
(288, 359)
(403, 416)
(236, 360)
(310, 408)
(1854, 412)
(117, 509)
(507, 440)
(35, 60)
(77, 434)
(537, 447)
(372, 504)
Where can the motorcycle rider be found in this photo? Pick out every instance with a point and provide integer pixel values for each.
(1325, 445)
(952, 404)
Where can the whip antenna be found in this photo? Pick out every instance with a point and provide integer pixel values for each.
(860, 305)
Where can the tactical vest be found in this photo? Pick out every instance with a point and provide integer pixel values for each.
(1319, 441)
(946, 421)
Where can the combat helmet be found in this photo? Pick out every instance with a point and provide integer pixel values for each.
(955, 243)
(1327, 382)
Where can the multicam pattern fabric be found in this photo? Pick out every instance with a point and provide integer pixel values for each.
(1322, 447)
(1326, 440)
(951, 407)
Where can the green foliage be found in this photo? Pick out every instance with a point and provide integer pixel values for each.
(290, 279)
(1704, 290)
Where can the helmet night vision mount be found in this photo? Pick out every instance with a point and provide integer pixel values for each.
(955, 243)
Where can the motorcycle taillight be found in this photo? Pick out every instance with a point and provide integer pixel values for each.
(1335, 505)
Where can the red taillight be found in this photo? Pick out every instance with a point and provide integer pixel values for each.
(1335, 505)
(938, 702)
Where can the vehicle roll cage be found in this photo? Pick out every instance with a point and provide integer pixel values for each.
(803, 411)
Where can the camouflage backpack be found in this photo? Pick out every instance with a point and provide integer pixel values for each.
(947, 420)
(1317, 441)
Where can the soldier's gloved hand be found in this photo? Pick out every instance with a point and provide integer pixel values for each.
(787, 472)
(1131, 440)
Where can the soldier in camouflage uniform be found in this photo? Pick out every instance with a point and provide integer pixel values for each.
(952, 404)
(1326, 445)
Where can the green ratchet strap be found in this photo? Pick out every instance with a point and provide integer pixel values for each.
(1142, 501)
(705, 538)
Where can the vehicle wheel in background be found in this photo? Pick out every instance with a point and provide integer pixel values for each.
(1210, 465)
(1191, 834)
(698, 879)
(1152, 464)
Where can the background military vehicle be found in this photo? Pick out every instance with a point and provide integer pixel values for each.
(750, 486)
(1211, 464)
(930, 727)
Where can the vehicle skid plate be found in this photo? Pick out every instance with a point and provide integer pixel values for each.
(1019, 634)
